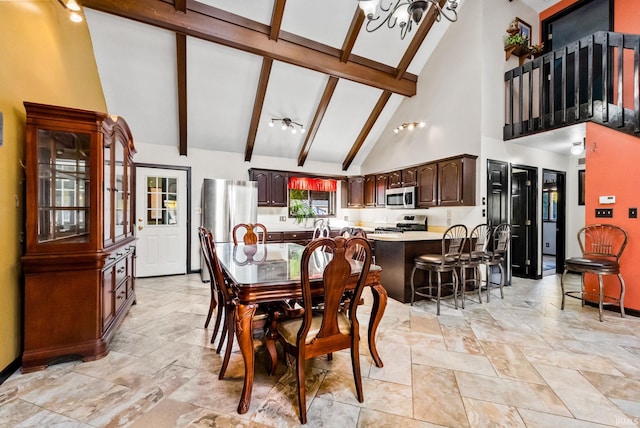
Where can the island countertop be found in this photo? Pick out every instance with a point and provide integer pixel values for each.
(405, 236)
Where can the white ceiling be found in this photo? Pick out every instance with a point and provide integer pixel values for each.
(137, 65)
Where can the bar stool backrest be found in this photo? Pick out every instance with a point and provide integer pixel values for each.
(602, 240)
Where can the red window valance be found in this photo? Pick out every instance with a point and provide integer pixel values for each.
(313, 184)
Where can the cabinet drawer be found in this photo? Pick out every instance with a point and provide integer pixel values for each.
(120, 296)
(297, 236)
(274, 236)
(121, 271)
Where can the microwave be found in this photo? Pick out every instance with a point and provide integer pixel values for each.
(402, 197)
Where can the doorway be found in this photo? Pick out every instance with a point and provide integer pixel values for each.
(163, 216)
(497, 203)
(553, 221)
(524, 242)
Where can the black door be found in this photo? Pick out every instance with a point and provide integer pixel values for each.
(497, 198)
(524, 255)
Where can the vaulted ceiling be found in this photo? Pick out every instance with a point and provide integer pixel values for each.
(211, 74)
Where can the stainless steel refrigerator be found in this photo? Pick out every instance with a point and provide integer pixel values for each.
(226, 203)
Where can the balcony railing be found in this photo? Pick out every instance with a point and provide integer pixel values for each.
(596, 78)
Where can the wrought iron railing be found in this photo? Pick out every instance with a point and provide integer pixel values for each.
(596, 78)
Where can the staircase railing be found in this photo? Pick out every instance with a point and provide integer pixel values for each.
(596, 78)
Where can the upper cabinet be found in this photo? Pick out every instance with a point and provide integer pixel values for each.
(382, 183)
(427, 182)
(272, 187)
(395, 179)
(370, 191)
(355, 192)
(409, 177)
(457, 181)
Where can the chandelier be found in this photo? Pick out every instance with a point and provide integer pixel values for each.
(287, 125)
(409, 126)
(405, 13)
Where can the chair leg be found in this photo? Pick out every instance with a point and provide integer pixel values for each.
(564, 274)
(622, 287)
(582, 288)
(464, 286)
(456, 286)
(478, 282)
(355, 365)
(223, 334)
(302, 402)
(212, 306)
(488, 283)
(413, 288)
(439, 291)
(217, 324)
(501, 280)
(600, 295)
(230, 321)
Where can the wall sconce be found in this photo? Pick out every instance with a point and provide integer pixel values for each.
(74, 9)
(287, 125)
(410, 126)
(577, 148)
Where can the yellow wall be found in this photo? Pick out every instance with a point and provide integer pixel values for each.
(44, 58)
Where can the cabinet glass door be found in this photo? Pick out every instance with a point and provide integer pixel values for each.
(119, 191)
(63, 186)
(107, 220)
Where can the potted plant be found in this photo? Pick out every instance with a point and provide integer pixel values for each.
(301, 211)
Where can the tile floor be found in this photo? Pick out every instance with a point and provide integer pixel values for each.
(517, 362)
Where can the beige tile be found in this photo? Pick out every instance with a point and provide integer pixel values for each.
(380, 419)
(569, 360)
(479, 364)
(485, 414)
(510, 363)
(511, 393)
(436, 398)
(580, 396)
(534, 419)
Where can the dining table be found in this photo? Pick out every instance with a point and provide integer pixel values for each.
(269, 273)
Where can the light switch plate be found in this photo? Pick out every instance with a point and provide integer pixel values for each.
(607, 199)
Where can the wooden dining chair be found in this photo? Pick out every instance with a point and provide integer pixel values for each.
(228, 304)
(445, 262)
(250, 237)
(216, 297)
(601, 246)
(357, 252)
(320, 332)
(321, 229)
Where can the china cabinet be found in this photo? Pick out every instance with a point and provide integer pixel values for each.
(79, 261)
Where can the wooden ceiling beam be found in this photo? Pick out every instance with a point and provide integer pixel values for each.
(265, 72)
(276, 19)
(181, 54)
(317, 119)
(212, 27)
(371, 120)
(352, 35)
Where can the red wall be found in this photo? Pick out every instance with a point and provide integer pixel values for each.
(612, 160)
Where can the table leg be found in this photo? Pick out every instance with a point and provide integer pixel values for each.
(244, 333)
(379, 305)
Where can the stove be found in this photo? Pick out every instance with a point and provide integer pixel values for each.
(406, 223)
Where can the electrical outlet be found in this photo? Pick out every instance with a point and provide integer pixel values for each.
(346, 218)
(633, 213)
(604, 212)
(283, 218)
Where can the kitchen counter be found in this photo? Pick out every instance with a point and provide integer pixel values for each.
(404, 236)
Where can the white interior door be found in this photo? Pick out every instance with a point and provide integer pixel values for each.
(161, 211)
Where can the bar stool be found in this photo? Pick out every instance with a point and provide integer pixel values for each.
(452, 244)
(601, 246)
(500, 239)
(478, 241)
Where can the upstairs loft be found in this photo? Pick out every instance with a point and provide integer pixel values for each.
(596, 79)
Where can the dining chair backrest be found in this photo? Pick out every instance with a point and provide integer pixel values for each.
(602, 240)
(357, 253)
(479, 239)
(250, 237)
(335, 277)
(212, 262)
(453, 241)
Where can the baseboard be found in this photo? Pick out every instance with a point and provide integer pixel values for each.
(10, 369)
(614, 308)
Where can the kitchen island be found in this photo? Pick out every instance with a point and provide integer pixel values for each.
(395, 253)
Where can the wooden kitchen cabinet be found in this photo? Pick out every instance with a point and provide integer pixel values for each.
(457, 181)
(272, 187)
(355, 192)
(409, 177)
(395, 179)
(370, 191)
(80, 252)
(382, 182)
(427, 182)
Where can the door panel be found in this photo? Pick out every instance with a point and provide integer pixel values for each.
(161, 210)
(497, 209)
(524, 243)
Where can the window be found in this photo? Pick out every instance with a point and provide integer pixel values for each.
(312, 197)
